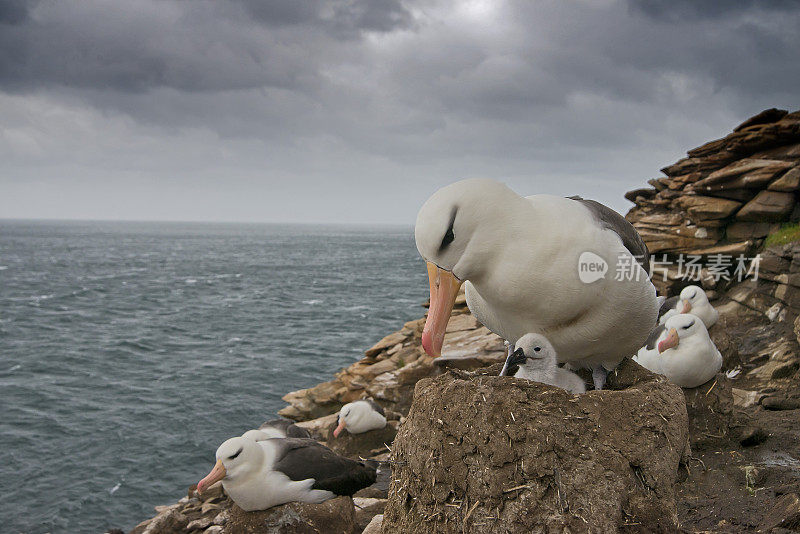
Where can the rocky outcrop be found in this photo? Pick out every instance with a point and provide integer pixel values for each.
(391, 367)
(336, 516)
(725, 197)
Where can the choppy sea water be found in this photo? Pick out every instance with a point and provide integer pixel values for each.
(129, 351)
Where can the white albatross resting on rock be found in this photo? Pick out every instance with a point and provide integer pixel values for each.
(519, 260)
(681, 350)
(277, 428)
(263, 474)
(360, 416)
(691, 300)
(535, 359)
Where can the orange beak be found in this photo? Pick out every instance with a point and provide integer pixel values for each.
(687, 306)
(444, 289)
(339, 429)
(216, 474)
(670, 341)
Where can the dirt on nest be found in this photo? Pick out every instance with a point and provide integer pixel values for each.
(489, 454)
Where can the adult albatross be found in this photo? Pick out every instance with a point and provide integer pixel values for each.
(521, 259)
(261, 474)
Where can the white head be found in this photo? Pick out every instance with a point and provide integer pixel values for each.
(691, 297)
(452, 217)
(256, 435)
(678, 328)
(236, 458)
(455, 232)
(358, 417)
(534, 352)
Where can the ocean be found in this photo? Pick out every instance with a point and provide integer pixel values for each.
(129, 351)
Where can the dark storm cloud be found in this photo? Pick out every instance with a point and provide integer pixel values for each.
(13, 11)
(594, 95)
(681, 10)
(341, 18)
(190, 46)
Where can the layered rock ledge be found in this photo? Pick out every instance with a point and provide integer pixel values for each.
(725, 197)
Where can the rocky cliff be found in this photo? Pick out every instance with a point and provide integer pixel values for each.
(724, 198)
(740, 468)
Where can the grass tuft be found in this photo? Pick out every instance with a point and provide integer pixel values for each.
(789, 233)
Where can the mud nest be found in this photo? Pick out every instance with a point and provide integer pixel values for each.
(491, 454)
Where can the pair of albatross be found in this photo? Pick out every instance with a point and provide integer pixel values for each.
(520, 260)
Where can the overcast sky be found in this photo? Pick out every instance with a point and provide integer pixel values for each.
(357, 110)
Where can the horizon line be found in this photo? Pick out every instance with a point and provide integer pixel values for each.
(197, 221)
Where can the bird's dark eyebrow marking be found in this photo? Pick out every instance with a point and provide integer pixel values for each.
(237, 453)
(448, 235)
(690, 324)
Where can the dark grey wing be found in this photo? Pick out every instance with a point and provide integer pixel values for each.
(289, 429)
(294, 431)
(375, 406)
(667, 305)
(277, 424)
(653, 337)
(614, 221)
(301, 459)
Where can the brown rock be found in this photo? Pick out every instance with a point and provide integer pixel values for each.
(745, 173)
(375, 526)
(169, 520)
(766, 116)
(645, 192)
(784, 514)
(741, 231)
(739, 195)
(536, 470)
(731, 249)
(768, 206)
(667, 219)
(213, 493)
(708, 207)
(395, 389)
(674, 239)
(780, 402)
(383, 366)
(706, 163)
(335, 516)
(788, 182)
(366, 509)
(199, 524)
(385, 343)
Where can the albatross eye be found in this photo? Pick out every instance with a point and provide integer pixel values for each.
(237, 453)
(448, 238)
(537, 349)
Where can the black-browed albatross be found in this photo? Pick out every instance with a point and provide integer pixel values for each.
(520, 257)
(692, 299)
(261, 474)
(360, 416)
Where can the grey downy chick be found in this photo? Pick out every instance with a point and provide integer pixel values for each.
(535, 359)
